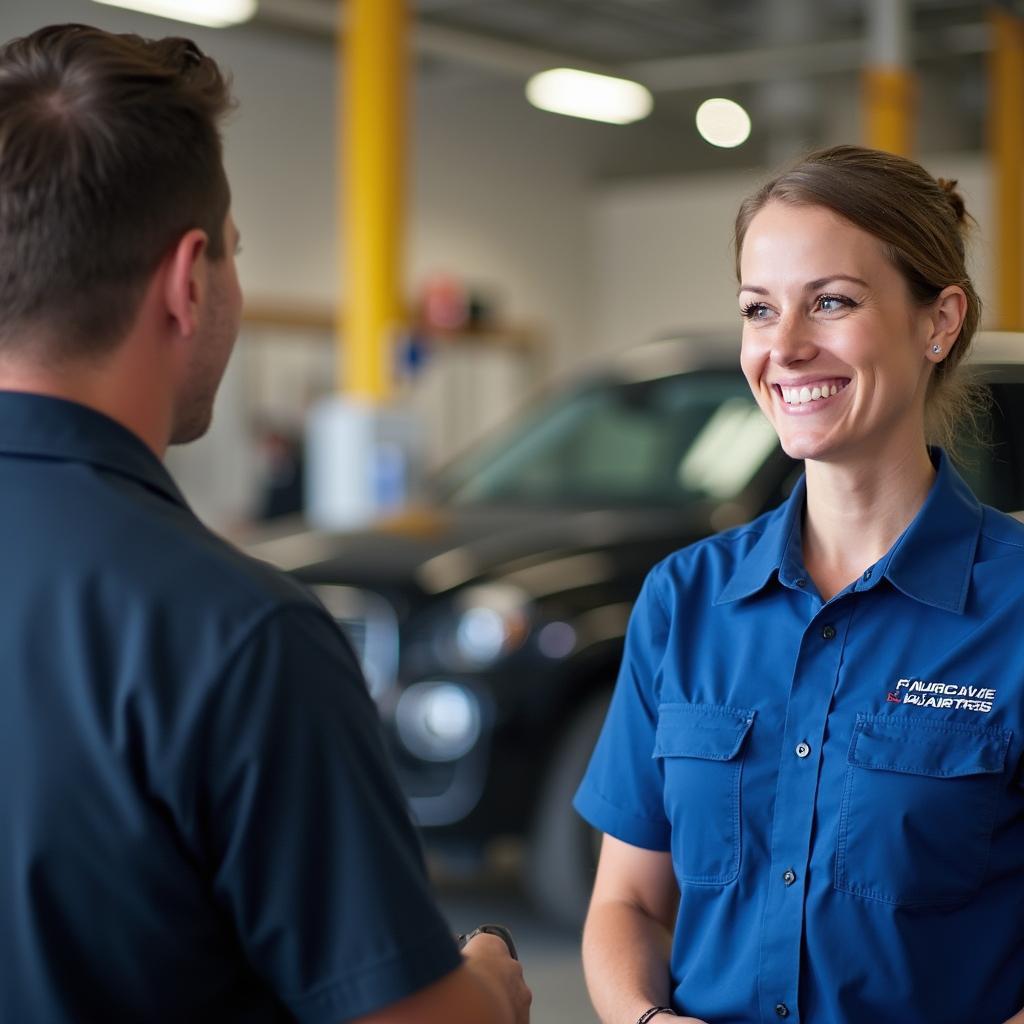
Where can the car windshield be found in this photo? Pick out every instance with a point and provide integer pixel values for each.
(671, 440)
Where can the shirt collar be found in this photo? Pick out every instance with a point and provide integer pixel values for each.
(934, 558)
(39, 426)
(779, 543)
(931, 562)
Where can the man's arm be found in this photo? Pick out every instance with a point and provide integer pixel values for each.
(489, 987)
(627, 939)
(314, 854)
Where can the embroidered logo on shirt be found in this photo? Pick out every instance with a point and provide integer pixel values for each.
(922, 694)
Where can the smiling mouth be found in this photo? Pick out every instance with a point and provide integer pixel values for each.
(808, 393)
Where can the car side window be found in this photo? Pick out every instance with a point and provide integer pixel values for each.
(991, 461)
(689, 436)
(1010, 395)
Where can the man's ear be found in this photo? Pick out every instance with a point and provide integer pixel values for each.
(185, 281)
(947, 318)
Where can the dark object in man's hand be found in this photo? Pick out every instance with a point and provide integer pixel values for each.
(492, 929)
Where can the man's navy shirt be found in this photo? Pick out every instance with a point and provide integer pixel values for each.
(838, 782)
(198, 820)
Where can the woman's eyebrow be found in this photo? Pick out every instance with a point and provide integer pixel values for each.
(822, 281)
(818, 282)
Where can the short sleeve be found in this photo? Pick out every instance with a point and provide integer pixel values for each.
(312, 851)
(622, 790)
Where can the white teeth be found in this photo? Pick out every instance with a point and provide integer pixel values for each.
(801, 396)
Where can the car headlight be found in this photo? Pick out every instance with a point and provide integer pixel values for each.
(438, 721)
(492, 621)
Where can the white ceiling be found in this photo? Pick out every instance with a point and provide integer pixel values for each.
(683, 48)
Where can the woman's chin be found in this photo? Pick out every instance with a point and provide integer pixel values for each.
(802, 448)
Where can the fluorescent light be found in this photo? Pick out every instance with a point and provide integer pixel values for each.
(213, 13)
(723, 123)
(584, 94)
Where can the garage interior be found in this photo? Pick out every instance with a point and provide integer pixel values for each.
(486, 255)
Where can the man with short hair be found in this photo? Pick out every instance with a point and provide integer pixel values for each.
(199, 822)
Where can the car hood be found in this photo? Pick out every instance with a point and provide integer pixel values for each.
(435, 549)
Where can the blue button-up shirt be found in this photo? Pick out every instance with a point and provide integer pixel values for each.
(199, 822)
(838, 781)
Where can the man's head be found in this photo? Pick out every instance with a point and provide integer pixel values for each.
(110, 153)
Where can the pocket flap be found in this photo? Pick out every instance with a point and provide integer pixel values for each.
(940, 749)
(713, 732)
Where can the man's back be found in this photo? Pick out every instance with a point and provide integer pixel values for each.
(166, 706)
(200, 821)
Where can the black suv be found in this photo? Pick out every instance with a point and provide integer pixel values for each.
(490, 619)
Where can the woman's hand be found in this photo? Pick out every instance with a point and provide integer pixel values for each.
(1017, 1018)
(627, 938)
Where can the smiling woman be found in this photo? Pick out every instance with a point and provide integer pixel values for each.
(850, 343)
(809, 773)
(915, 222)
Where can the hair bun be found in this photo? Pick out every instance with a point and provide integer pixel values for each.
(955, 199)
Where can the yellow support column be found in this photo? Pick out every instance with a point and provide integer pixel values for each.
(1006, 142)
(888, 86)
(373, 58)
(889, 104)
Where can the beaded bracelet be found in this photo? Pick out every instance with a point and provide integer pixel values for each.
(653, 1012)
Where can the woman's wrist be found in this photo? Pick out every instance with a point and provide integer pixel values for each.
(654, 1011)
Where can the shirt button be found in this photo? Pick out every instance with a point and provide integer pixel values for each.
(867, 574)
(800, 582)
(828, 633)
(781, 1010)
(789, 876)
(802, 750)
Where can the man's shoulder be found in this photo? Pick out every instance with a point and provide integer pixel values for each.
(159, 557)
(217, 574)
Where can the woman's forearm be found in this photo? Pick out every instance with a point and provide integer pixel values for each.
(626, 961)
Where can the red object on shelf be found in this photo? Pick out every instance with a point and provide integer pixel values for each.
(444, 304)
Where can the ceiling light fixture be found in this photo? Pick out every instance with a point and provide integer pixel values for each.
(585, 94)
(723, 123)
(212, 13)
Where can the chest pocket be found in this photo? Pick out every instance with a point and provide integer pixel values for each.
(918, 810)
(700, 747)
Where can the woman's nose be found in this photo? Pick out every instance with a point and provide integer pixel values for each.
(792, 341)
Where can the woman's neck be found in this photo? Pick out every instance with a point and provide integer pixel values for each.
(855, 514)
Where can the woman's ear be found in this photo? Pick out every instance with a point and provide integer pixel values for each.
(947, 319)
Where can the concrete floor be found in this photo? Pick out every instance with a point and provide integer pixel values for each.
(550, 956)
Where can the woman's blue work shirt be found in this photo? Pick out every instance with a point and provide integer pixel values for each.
(838, 782)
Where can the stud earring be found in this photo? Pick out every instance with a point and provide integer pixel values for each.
(936, 349)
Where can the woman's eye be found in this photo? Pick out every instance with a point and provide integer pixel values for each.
(755, 311)
(833, 303)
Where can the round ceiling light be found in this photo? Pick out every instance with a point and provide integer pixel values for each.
(723, 123)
